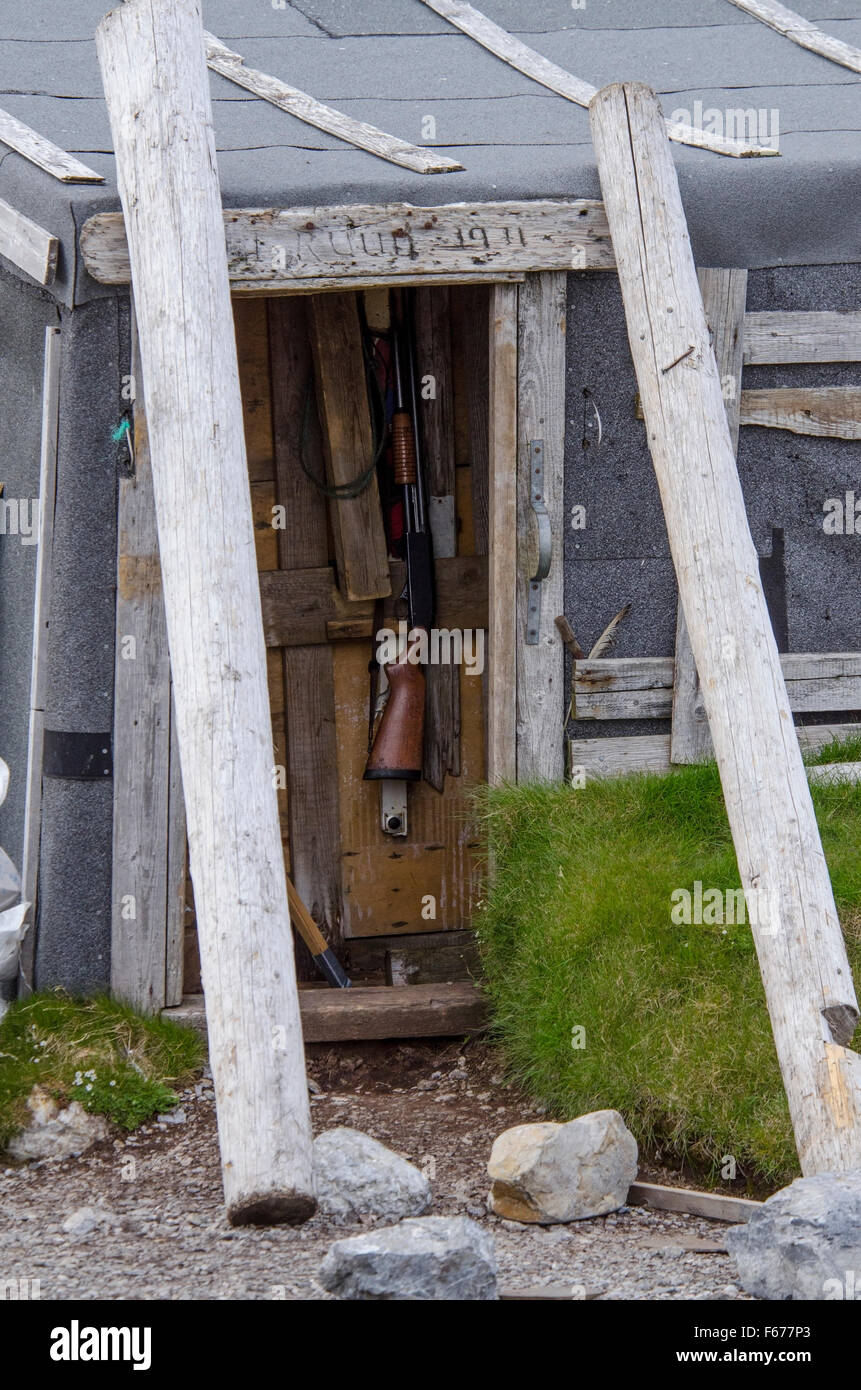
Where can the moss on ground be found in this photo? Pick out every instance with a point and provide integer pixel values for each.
(98, 1051)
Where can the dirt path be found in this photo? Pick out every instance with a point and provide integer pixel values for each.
(166, 1236)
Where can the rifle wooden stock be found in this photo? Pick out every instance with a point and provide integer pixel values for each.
(399, 743)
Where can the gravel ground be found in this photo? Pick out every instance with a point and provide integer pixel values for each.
(164, 1235)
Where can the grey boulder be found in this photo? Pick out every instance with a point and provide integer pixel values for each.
(550, 1172)
(357, 1177)
(434, 1258)
(804, 1242)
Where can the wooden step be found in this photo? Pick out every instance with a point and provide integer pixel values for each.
(372, 1012)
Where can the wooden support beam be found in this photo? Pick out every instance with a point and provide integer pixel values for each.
(534, 65)
(41, 624)
(724, 295)
(154, 75)
(44, 153)
(502, 537)
(802, 954)
(313, 112)
(541, 417)
(781, 336)
(272, 249)
(27, 245)
(309, 688)
(800, 30)
(342, 399)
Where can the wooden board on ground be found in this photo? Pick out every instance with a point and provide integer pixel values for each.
(371, 1012)
(713, 1205)
(368, 1013)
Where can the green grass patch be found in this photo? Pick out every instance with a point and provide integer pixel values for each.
(577, 932)
(98, 1051)
(847, 750)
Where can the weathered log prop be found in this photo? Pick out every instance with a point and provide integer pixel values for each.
(802, 956)
(152, 60)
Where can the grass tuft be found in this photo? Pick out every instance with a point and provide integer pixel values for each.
(577, 932)
(98, 1051)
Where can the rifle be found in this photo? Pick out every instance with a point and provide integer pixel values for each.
(397, 750)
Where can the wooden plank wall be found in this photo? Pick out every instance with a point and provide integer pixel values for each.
(148, 829)
(357, 881)
(388, 883)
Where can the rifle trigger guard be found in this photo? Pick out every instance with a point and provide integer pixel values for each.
(545, 540)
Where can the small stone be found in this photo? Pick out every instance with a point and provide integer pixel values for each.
(804, 1242)
(87, 1219)
(434, 1258)
(173, 1117)
(356, 1176)
(55, 1133)
(553, 1172)
(313, 1088)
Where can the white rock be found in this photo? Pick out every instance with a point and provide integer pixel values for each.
(87, 1219)
(435, 1258)
(356, 1176)
(56, 1133)
(550, 1172)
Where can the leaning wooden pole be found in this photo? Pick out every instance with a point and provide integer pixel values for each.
(802, 956)
(154, 72)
